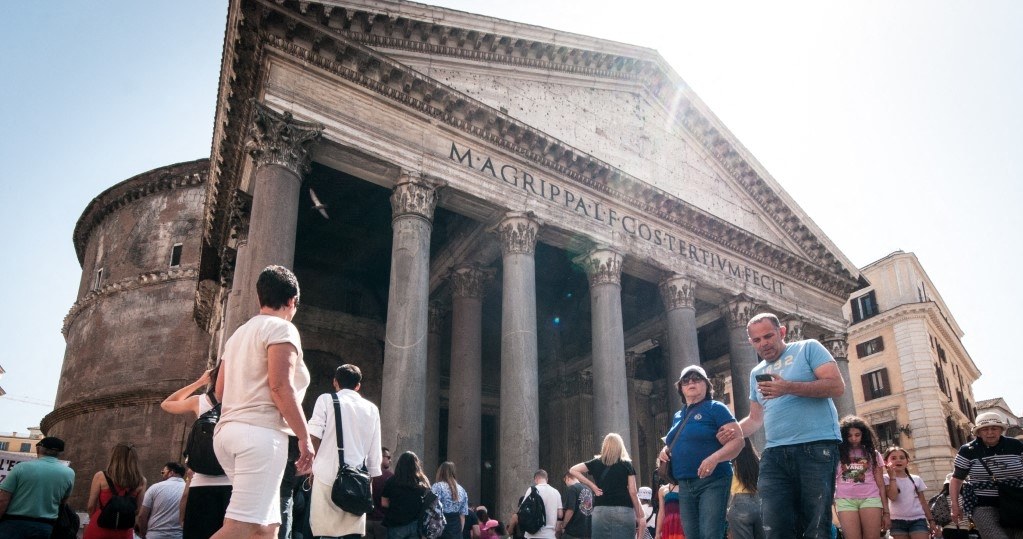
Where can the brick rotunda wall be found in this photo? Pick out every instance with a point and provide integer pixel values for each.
(131, 336)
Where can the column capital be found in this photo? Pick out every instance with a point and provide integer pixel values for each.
(602, 265)
(632, 362)
(518, 231)
(838, 345)
(279, 139)
(793, 327)
(435, 320)
(738, 311)
(677, 292)
(468, 280)
(414, 195)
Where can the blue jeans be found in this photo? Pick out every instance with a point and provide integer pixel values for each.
(702, 504)
(613, 522)
(24, 529)
(405, 531)
(796, 488)
(744, 521)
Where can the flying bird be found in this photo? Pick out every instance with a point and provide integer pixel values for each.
(317, 205)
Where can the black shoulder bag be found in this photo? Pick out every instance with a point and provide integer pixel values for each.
(1010, 501)
(351, 490)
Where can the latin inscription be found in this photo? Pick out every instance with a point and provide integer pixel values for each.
(635, 226)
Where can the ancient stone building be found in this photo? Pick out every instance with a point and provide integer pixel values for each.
(521, 235)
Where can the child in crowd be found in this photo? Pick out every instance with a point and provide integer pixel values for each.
(859, 485)
(911, 517)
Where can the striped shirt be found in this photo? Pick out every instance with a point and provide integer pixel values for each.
(1005, 459)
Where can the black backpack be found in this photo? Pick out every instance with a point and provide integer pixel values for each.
(198, 452)
(532, 513)
(119, 512)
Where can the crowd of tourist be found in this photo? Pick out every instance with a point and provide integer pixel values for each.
(269, 472)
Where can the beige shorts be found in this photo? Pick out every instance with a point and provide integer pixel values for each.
(254, 459)
(329, 520)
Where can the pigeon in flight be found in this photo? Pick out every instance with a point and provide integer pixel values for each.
(317, 205)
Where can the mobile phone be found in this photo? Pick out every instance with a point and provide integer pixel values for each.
(764, 377)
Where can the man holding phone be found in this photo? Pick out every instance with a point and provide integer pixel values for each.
(791, 394)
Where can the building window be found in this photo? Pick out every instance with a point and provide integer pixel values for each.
(941, 354)
(875, 385)
(25, 448)
(97, 279)
(887, 435)
(175, 260)
(864, 307)
(867, 348)
(941, 379)
(4, 446)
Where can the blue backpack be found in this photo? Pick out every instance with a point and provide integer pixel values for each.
(432, 522)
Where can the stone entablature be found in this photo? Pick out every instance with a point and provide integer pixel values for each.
(124, 285)
(181, 175)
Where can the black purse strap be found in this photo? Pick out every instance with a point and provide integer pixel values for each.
(339, 431)
(984, 464)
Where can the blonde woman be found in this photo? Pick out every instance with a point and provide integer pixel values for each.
(453, 499)
(122, 476)
(617, 512)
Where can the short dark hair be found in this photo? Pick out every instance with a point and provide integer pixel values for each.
(540, 474)
(762, 317)
(175, 468)
(276, 286)
(347, 376)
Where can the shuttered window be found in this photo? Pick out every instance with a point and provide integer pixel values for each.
(875, 384)
(867, 348)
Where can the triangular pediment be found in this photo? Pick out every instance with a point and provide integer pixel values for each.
(610, 116)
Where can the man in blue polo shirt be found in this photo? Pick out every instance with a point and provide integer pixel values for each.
(791, 394)
(31, 495)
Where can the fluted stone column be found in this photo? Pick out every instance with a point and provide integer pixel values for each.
(679, 296)
(520, 408)
(632, 361)
(464, 390)
(838, 345)
(737, 313)
(279, 146)
(403, 406)
(431, 432)
(610, 387)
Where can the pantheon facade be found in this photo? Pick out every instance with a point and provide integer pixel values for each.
(521, 235)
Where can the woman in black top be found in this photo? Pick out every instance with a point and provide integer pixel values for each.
(1004, 457)
(403, 497)
(617, 512)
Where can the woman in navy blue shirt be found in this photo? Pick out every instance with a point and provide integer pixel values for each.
(700, 465)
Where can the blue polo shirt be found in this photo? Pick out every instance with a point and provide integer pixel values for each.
(37, 487)
(698, 439)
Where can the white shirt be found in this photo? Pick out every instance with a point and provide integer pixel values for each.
(360, 421)
(551, 503)
(247, 384)
(162, 500)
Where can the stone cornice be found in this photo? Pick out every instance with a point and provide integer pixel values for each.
(308, 37)
(180, 175)
(98, 404)
(125, 285)
(928, 310)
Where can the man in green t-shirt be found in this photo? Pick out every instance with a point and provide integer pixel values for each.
(31, 495)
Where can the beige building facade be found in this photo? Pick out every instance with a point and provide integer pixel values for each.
(520, 235)
(912, 377)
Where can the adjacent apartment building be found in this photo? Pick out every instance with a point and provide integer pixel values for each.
(911, 376)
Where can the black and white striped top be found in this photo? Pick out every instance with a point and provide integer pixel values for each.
(1005, 459)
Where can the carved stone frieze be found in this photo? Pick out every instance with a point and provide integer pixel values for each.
(738, 311)
(279, 139)
(838, 345)
(793, 327)
(678, 292)
(414, 195)
(469, 280)
(124, 285)
(518, 232)
(603, 266)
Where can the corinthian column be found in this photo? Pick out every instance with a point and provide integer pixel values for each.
(679, 296)
(279, 146)
(464, 393)
(520, 408)
(610, 386)
(431, 433)
(403, 406)
(737, 313)
(837, 344)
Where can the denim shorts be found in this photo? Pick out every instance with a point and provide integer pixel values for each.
(906, 527)
(855, 504)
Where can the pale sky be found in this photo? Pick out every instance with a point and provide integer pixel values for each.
(894, 125)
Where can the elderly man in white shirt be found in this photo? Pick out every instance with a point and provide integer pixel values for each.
(360, 422)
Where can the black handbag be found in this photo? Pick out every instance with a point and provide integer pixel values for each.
(351, 490)
(1010, 501)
